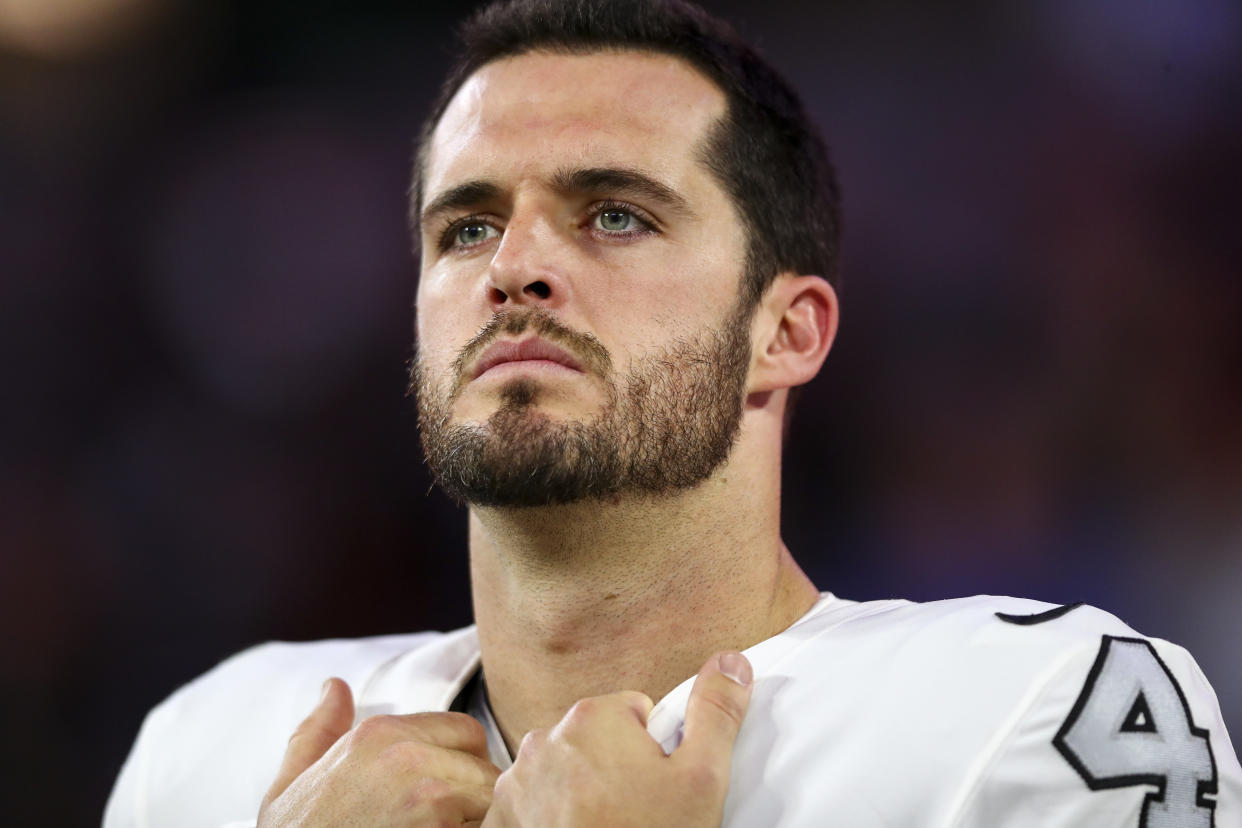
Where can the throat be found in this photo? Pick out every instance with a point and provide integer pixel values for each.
(595, 598)
(545, 649)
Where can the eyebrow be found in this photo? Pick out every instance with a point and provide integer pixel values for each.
(619, 180)
(461, 197)
(622, 181)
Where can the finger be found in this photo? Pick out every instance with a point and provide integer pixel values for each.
(455, 731)
(715, 710)
(531, 743)
(419, 760)
(469, 803)
(638, 703)
(329, 721)
(623, 709)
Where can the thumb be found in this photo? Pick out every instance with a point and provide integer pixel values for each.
(714, 713)
(330, 720)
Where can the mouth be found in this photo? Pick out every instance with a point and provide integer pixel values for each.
(532, 350)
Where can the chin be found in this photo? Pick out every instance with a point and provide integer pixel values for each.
(535, 411)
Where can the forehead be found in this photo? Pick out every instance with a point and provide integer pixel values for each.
(541, 111)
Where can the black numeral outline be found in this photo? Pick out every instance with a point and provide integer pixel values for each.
(1203, 790)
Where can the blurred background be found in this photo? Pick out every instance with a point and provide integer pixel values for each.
(205, 311)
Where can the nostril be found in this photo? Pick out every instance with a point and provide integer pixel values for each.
(498, 296)
(539, 289)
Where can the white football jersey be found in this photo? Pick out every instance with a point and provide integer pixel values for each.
(971, 713)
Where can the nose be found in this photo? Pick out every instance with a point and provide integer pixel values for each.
(529, 266)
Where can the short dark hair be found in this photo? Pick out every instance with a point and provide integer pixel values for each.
(764, 151)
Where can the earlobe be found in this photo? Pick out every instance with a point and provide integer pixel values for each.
(802, 313)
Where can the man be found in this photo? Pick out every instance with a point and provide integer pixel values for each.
(625, 222)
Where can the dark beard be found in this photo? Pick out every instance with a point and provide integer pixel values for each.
(668, 426)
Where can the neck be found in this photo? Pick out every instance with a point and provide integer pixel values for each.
(591, 598)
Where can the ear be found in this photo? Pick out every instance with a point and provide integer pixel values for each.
(794, 327)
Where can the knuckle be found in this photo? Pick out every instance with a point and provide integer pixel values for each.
(435, 803)
(586, 707)
(464, 726)
(531, 743)
(633, 698)
(506, 788)
(373, 729)
(455, 720)
(432, 791)
(725, 703)
(702, 780)
(577, 718)
(403, 756)
(305, 729)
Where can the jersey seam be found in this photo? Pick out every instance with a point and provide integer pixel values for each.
(890, 605)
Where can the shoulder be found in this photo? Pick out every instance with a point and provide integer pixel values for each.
(1106, 726)
(983, 635)
(206, 754)
(273, 668)
(986, 661)
(998, 643)
(983, 708)
(954, 615)
(277, 683)
(976, 658)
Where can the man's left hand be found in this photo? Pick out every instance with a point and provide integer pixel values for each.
(600, 767)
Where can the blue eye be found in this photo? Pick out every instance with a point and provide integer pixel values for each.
(615, 221)
(474, 232)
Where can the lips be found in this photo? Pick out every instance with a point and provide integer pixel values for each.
(527, 349)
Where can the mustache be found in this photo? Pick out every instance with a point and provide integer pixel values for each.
(584, 347)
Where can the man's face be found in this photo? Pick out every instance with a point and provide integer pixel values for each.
(579, 333)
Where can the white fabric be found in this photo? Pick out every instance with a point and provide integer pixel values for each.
(886, 713)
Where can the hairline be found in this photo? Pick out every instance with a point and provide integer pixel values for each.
(749, 294)
(700, 150)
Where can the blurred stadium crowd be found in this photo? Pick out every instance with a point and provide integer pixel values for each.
(205, 310)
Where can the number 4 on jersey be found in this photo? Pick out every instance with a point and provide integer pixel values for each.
(1131, 726)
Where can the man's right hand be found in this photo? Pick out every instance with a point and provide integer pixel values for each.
(419, 769)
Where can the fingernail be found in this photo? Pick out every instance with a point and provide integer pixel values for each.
(736, 667)
(323, 694)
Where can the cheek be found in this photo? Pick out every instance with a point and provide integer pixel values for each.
(671, 306)
(694, 278)
(441, 327)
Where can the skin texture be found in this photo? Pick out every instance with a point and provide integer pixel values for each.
(588, 610)
(431, 769)
(601, 761)
(421, 769)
